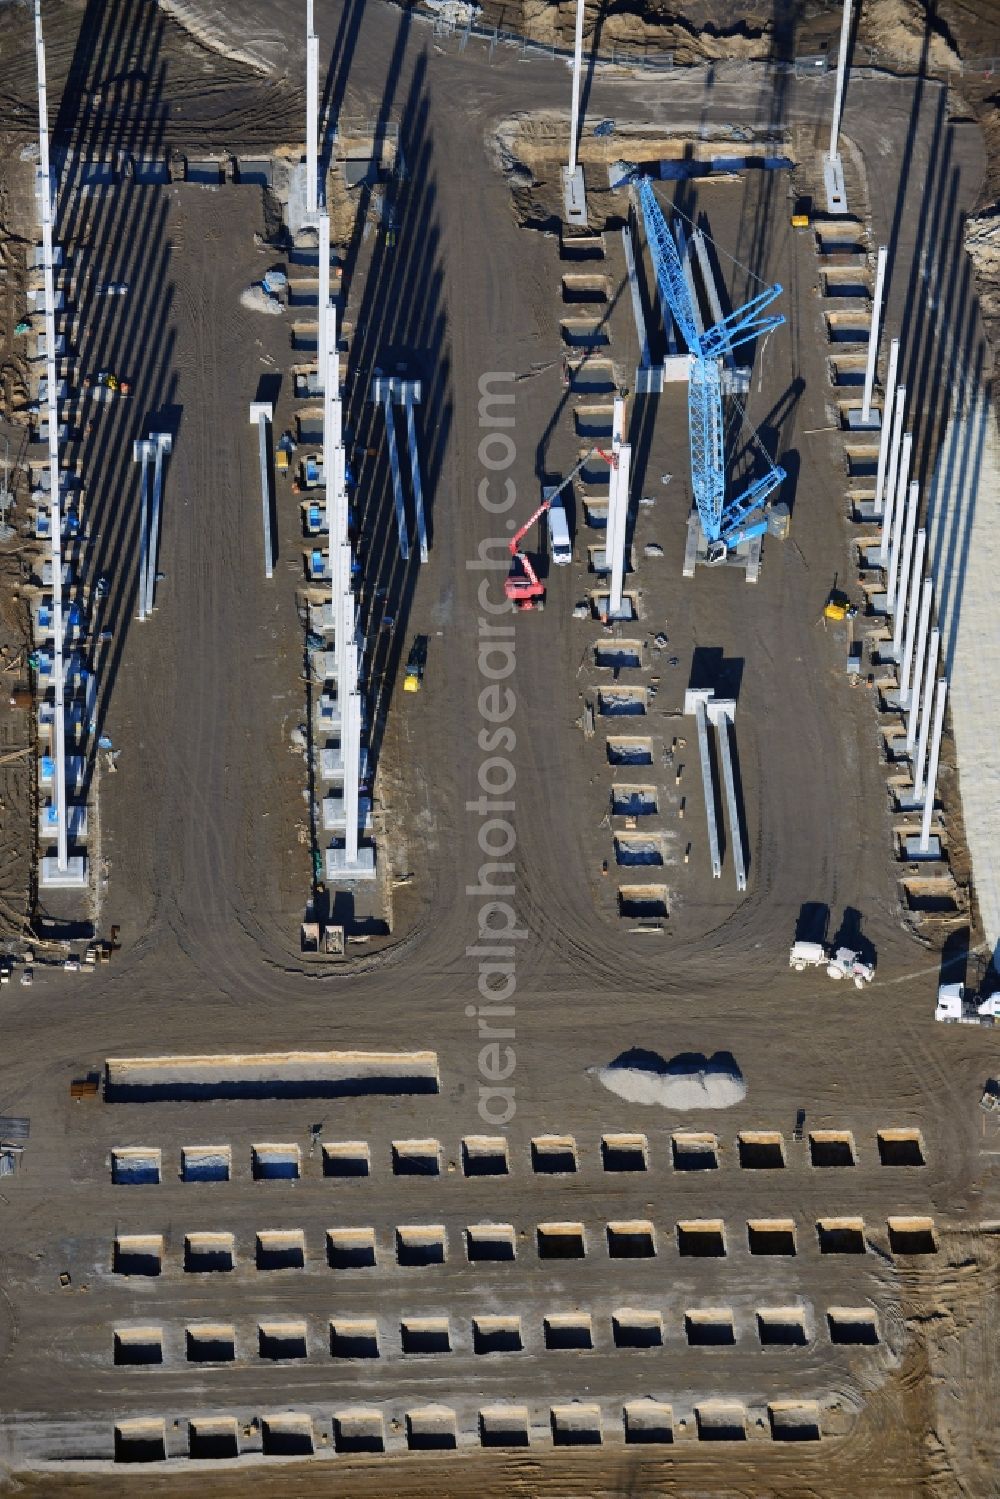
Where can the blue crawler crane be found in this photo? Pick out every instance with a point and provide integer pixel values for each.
(724, 522)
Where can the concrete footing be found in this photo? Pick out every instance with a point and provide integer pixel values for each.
(833, 183)
(933, 851)
(340, 871)
(854, 416)
(746, 555)
(74, 877)
(574, 198)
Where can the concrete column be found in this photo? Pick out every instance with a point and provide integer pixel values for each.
(866, 403)
(574, 124)
(323, 308)
(637, 311)
(614, 535)
(45, 215)
(708, 783)
(913, 592)
(142, 452)
(890, 482)
(261, 413)
(925, 826)
(838, 98)
(163, 443)
(312, 117)
(925, 712)
(899, 568)
(899, 509)
(913, 691)
(411, 394)
(385, 394)
(351, 739)
(887, 416)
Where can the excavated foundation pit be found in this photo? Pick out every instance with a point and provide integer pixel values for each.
(354, 1339)
(561, 1241)
(276, 1162)
(578, 287)
(637, 849)
(844, 281)
(619, 654)
(416, 1157)
(358, 1431)
(701, 1238)
(794, 1420)
(421, 1245)
(491, 1243)
(581, 247)
(210, 1343)
(553, 1155)
(629, 750)
(847, 327)
(594, 421)
(621, 702)
(832, 1147)
(631, 1239)
(138, 1345)
(624, 1152)
(633, 800)
(286, 1436)
(781, 1326)
(576, 1425)
(216, 1438)
(504, 1426)
(138, 1254)
(294, 1074)
(584, 333)
(282, 1340)
(497, 1335)
(841, 1235)
(853, 1325)
(930, 897)
(140, 1442)
(592, 377)
(721, 1421)
(912, 1236)
(632, 1328)
(485, 1155)
(281, 1249)
(568, 1331)
(431, 1429)
(134, 1166)
(424, 1335)
(347, 1158)
(710, 1327)
(771, 1236)
(848, 370)
(900, 1147)
(636, 902)
(208, 1253)
(649, 1421)
(350, 1248)
(761, 1150)
(206, 1163)
(695, 1152)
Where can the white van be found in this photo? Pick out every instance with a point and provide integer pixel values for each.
(562, 548)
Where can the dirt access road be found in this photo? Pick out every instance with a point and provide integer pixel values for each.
(208, 889)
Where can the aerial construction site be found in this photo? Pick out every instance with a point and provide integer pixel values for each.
(499, 787)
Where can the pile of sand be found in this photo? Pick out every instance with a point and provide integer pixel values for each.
(689, 1080)
(259, 300)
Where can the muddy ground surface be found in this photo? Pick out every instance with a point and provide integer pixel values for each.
(207, 877)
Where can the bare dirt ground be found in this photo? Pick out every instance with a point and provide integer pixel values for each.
(207, 878)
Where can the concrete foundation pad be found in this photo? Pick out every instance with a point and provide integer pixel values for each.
(932, 852)
(74, 877)
(833, 183)
(574, 197)
(338, 870)
(905, 801)
(873, 554)
(856, 424)
(603, 600)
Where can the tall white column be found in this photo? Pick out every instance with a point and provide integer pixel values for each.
(890, 481)
(898, 516)
(614, 536)
(873, 337)
(913, 689)
(323, 307)
(838, 98)
(887, 416)
(925, 712)
(574, 126)
(913, 593)
(925, 826)
(899, 568)
(312, 113)
(45, 214)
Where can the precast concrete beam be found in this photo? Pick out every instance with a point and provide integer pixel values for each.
(722, 714)
(637, 310)
(410, 392)
(261, 413)
(695, 701)
(887, 423)
(895, 443)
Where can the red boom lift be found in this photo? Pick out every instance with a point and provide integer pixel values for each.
(522, 585)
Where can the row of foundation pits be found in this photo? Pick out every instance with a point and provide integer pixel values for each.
(421, 1245)
(573, 1423)
(489, 1155)
(356, 1338)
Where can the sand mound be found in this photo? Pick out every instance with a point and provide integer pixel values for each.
(689, 1080)
(258, 300)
